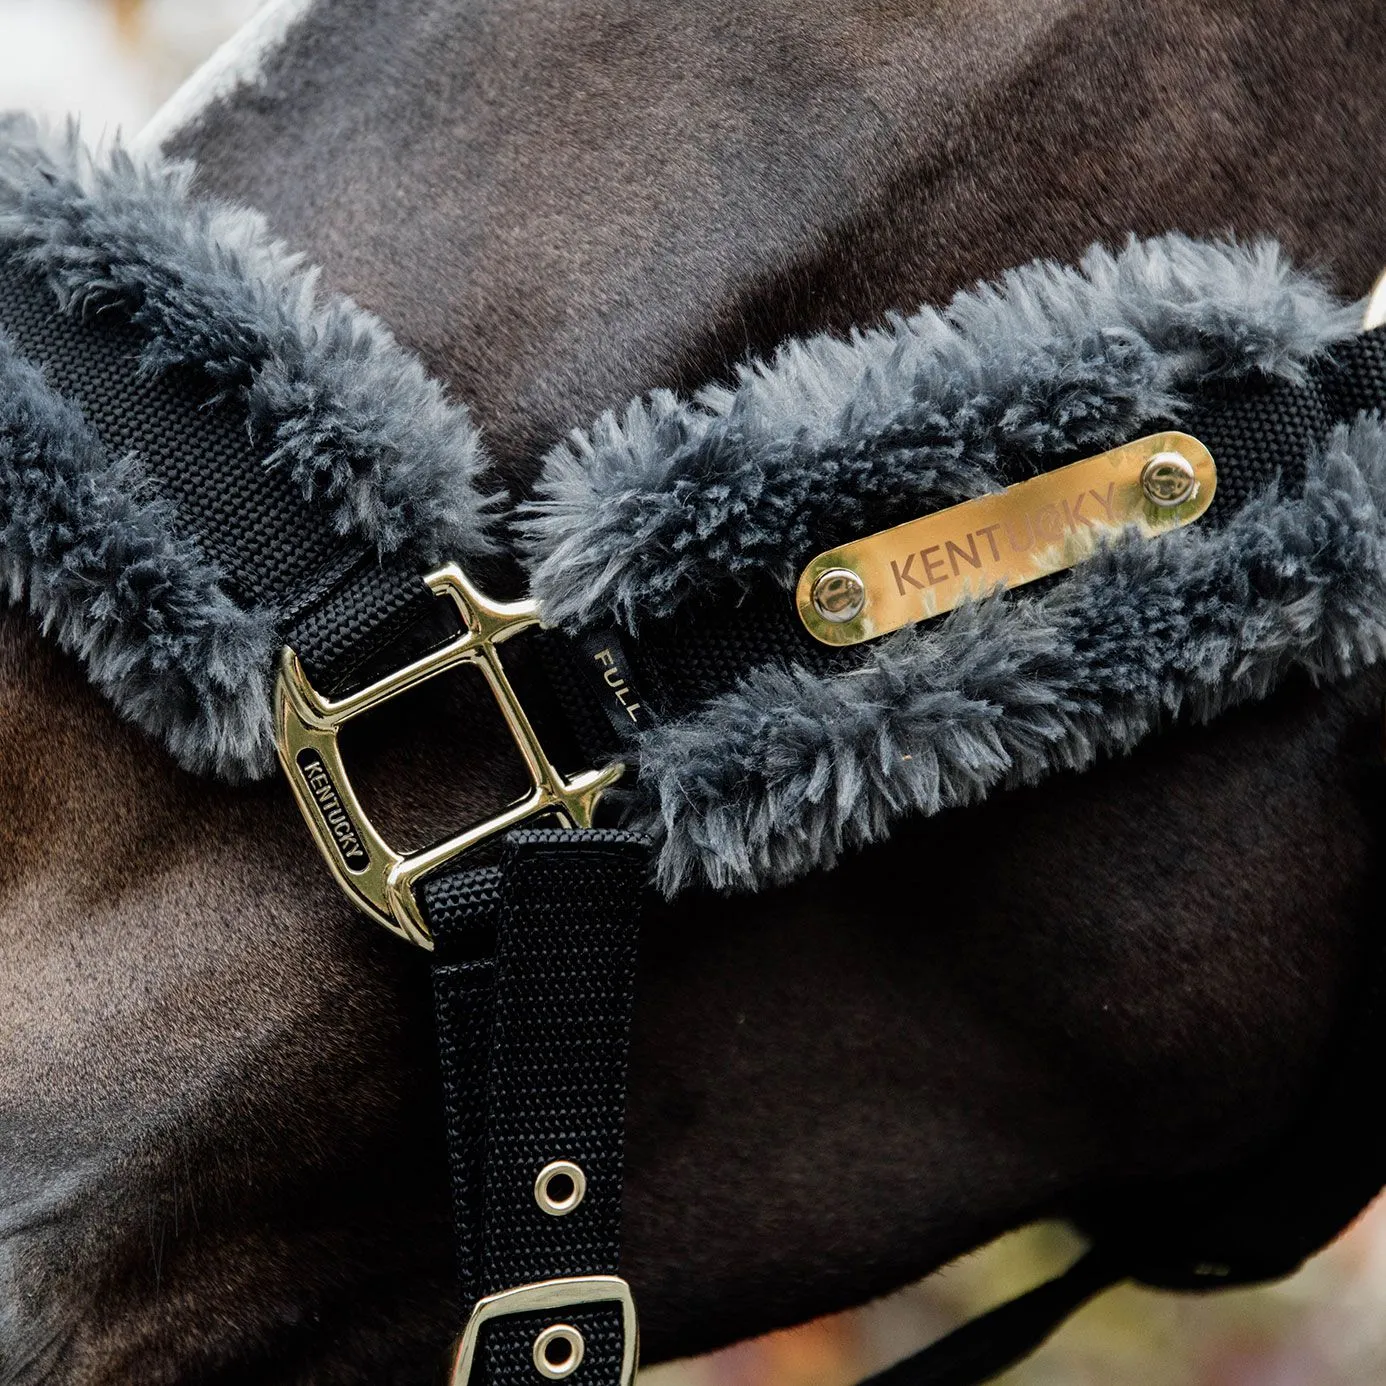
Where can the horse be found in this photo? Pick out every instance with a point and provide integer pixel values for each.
(220, 1155)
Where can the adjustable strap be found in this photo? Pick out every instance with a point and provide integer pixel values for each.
(534, 978)
(534, 972)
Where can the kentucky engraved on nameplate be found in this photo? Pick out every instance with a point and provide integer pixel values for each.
(1051, 522)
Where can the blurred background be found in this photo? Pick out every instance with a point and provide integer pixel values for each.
(114, 62)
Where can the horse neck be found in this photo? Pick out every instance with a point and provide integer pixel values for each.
(561, 205)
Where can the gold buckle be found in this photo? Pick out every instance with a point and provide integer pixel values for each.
(376, 878)
(552, 1295)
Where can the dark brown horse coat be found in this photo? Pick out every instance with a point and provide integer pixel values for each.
(219, 1157)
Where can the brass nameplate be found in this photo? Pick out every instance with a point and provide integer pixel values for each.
(928, 566)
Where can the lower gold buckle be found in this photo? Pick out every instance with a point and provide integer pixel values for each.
(552, 1296)
(378, 879)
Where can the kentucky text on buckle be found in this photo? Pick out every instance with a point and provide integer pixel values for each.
(928, 566)
(378, 879)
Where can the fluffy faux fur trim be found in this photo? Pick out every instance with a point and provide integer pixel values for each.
(366, 434)
(84, 541)
(833, 438)
(738, 486)
(788, 771)
(369, 439)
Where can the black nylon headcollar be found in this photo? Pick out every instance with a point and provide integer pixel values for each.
(239, 464)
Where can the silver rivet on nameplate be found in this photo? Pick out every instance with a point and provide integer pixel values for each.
(1169, 479)
(839, 595)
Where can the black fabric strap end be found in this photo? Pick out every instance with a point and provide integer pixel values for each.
(534, 982)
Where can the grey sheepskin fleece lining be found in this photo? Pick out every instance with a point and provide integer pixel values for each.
(786, 773)
(98, 559)
(671, 498)
(369, 439)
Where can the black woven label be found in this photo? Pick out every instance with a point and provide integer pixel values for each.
(611, 676)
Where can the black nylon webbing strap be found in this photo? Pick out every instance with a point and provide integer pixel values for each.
(534, 980)
(1260, 432)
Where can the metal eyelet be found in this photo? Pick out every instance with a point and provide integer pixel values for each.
(560, 1187)
(558, 1351)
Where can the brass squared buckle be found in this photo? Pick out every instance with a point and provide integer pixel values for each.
(378, 879)
(551, 1297)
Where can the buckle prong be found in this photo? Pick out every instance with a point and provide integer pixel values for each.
(378, 879)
